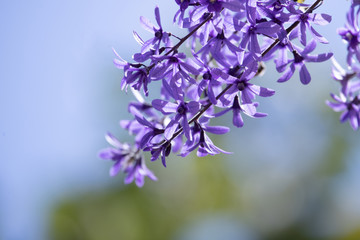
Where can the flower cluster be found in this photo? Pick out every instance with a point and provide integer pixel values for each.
(348, 100)
(229, 41)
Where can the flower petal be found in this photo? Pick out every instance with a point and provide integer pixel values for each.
(157, 16)
(288, 74)
(305, 77)
(217, 129)
(115, 169)
(112, 140)
(147, 25)
(164, 106)
(237, 118)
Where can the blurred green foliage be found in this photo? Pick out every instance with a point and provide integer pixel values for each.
(154, 212)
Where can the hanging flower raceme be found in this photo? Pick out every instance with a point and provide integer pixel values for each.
(229, 41)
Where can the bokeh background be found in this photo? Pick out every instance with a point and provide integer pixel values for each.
(293, 175)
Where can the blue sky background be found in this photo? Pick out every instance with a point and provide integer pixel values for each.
(59, 94)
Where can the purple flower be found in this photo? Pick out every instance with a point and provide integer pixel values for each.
(134, 128)
(209, 85)
(173, 66)
(142, 57)
(306, 19)
(351, 34)
(151, 130)
(179, 15)
(135, 75)
(216, 47)
(143, 129)
(348, 87)
(159, 34)
(119, 62)
(136, 78)
(241, 85)
(300, 58)
(282, 54)
(252, 28)
(128, 159)
(181, 108)
(175, 72)
(202, 141)
(160, 150)
(249, 109)
(206, 31)
(163, 148)
(350, 109)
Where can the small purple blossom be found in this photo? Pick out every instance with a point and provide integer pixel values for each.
(215, 46)
(248, 108)
(306, 20)
(181, 110)
(151, 130)
(351, 35)
(128, 159)
(209, 85)
(348, 87)
(202, 141)
(252, 29)
(241, 85)
(350, 109)
(159, 34)
(298, 62)
(136, 75)
(175, 72)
